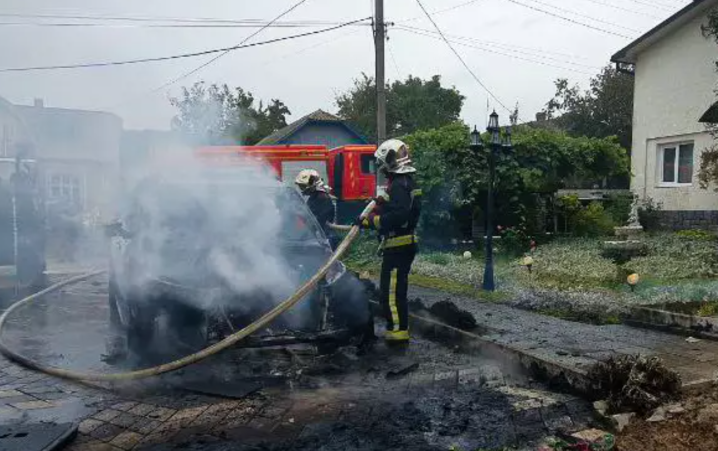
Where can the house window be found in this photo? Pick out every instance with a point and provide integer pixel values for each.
(677, 164)
(368, 164)
(65, 187)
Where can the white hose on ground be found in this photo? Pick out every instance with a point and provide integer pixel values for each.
(184, 361)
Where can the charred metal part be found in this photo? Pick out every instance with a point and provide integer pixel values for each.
(337, 336)
(402, 368)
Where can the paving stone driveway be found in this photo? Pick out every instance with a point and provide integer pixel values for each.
(455, 397)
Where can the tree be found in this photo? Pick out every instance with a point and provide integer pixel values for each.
(542, 162)
(441, 196)
(215, 114)
(413, 104)
(606, 109)
(708, 172)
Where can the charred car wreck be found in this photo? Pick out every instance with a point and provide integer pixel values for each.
(197, 257)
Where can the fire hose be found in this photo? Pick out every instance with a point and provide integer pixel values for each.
(184, 361)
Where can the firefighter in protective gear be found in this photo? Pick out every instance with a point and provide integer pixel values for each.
(319, 200)
(395, 219)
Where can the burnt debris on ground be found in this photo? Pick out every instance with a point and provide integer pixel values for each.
(471, 417)
(634, 383)
(452, 315)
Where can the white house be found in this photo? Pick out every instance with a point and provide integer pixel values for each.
(675, 81)
(78, 152)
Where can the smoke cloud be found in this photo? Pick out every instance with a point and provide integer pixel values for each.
(218, 230)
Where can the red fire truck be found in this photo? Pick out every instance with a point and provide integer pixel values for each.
(349, 170)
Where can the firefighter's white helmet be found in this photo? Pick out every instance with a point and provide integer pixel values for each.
(309, 180)
(393, 156)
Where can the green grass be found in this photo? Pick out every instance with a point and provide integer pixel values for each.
(679, 268)
(456, 288)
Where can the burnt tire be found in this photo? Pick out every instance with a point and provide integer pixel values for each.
(187, 327)
(140, 332)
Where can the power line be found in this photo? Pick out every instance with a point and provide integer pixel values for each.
(393, 60)
(185, 25)
(543, 63)
(633, 11)
(568, 19)
(442, 11)
(478, 80)
(182, 55)
(511, 47)
(568, 11)
(244, 41)
(470, 42)
(654, 3)
(150, 19)
(309, 48)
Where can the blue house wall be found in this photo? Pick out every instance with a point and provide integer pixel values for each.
(328, 134)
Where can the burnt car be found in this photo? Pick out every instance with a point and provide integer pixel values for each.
(197, 257)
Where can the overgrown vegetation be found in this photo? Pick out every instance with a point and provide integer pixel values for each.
(454, 178)
(708, 173)
(216, 114)
(649, 215)
(412, 104)
(570, 278)
(606, 109)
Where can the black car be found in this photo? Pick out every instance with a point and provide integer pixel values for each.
(196, 258)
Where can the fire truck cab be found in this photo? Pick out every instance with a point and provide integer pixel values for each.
(349, 170)
(353, 177)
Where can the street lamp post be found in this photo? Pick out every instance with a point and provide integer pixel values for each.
(495, 146)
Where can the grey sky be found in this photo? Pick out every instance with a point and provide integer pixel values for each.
(307, 73)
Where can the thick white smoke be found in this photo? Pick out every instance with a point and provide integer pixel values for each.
(214, 226)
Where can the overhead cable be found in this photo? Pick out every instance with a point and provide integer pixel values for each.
(568, 19)
(181, 55)
(461, 59)
(244, 41)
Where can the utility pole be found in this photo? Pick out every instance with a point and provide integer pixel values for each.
(379, 44)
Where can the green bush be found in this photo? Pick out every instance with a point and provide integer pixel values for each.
(671, 257)
(593, 221)
(514, 241)
(649, 215)
(572, 263)
(362, 253)
(437, 259)
(618, 207)
(697, 235)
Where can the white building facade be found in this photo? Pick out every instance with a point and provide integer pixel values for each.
(675, 81)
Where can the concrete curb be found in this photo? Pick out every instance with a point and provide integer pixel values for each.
(64, 440)
(553, 373)
(705, 327)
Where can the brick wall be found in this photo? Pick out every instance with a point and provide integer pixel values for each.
(686, 220)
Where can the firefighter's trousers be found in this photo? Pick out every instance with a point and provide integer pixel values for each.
(394, 285)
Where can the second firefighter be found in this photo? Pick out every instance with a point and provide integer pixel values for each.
(320, 202)
(395, 219)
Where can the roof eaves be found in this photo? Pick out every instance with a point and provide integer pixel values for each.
(627, 55)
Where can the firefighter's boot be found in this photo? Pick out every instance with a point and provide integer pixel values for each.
(397, 336)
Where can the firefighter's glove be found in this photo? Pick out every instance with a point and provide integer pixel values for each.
(362, 222)
(371, 221)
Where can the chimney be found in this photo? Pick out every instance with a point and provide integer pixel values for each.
(541, 116)
(39, 103)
